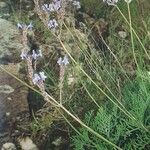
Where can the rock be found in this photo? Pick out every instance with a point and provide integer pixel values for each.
(12, 89)
(27, 144)
(3, 4)
(57, 142)
(10, 42)
(71, 79)
(6, 89)
(7, 114)
(8, 146)
(122, 34)
(13, 100)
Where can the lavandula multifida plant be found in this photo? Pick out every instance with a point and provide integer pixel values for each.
(111, 2)
(34, 77)
(56, 8)
(62, 62)
(25, 54)
(31, 58)
(54, 13)
(26, 49)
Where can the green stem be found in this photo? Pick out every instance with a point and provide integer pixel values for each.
(131, 34)
(64, 109)
(133, 31)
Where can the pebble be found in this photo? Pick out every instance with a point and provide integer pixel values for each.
(8, 146)
(122, 34)
(7, 114)
(3, 4)
(27, 144)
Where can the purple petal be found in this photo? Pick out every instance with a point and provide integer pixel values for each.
(36, 78)
(65, 61)
(51, 7)
(19, 25)
(42, 75)
(40, 53)
(34, 55)
(23, 55)
(57, 5)
(60, 61)
(30, 26)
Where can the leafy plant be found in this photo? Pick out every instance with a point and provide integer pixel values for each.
(113, 125)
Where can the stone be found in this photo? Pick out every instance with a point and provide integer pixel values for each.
(6, 89)
(27, 144)
(10, 42)
(10, 87)
(13, 99)
(3, 4)
(7, 114)
(71, 79)
(57, 142)
(122, 34)
(8, 146)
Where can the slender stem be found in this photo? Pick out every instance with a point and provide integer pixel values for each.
(60, 92)
(133, 31)
(89, 129)
(131, 34)
(122, 109)
(58, 105)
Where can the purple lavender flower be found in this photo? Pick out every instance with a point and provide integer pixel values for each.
(48, 7)
(111, 2)
(77, 4)
(19, 26)
(42, 76)
(45, 7)
(23, 55)
(52, 24)
(128, 1)
(59, 61)
(54, 6)
(30, 26)
(57, 5)
(38, 77)
(35, 55)
(51, 7)
(63, 61)
(40, 53)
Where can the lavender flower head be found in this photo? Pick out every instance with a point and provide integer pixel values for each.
(57, 5)
(23, 55)
(111, 2)
(63, 61)
(128, 1)
(38, 77)
(59, 61)
(43, 77)
(54, 6)
(30, 26)
(35, 55)
(21, 26)
(77, 4)
(52, 24)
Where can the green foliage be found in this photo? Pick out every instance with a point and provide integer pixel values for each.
(114, 126)
(95, 7)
